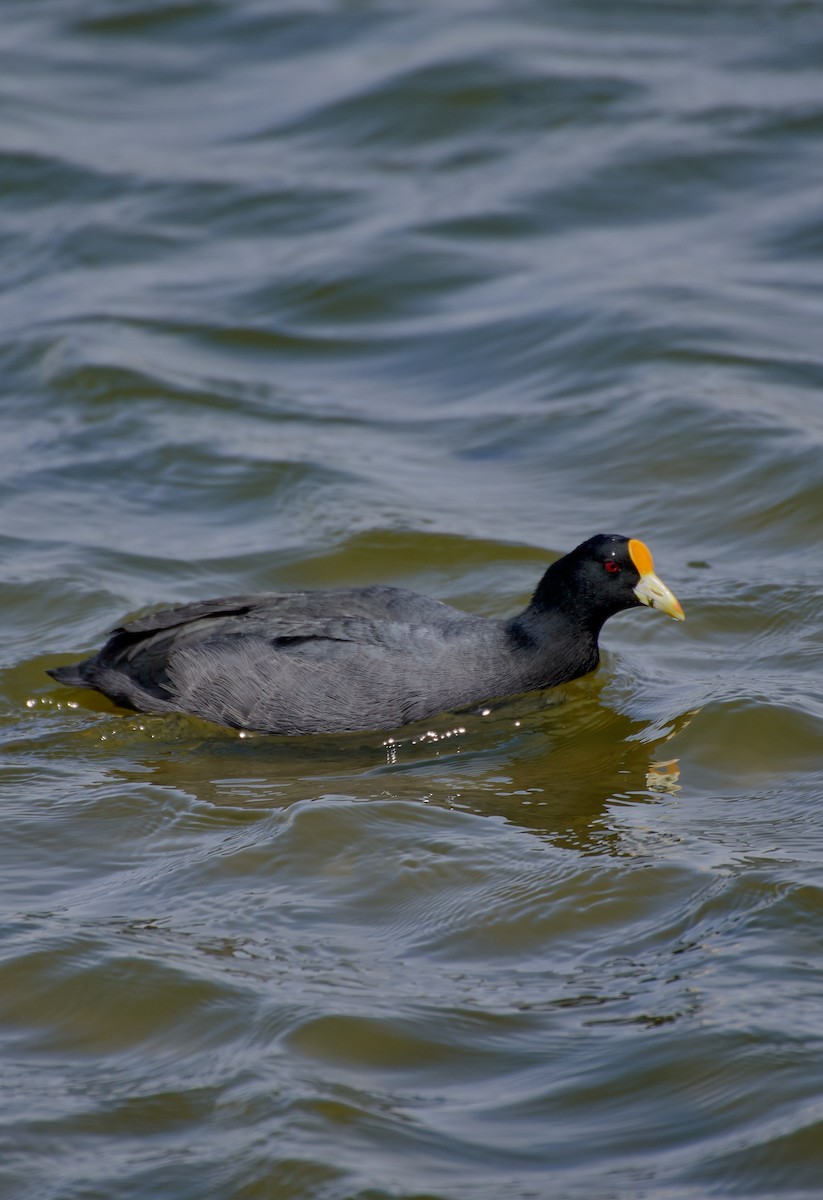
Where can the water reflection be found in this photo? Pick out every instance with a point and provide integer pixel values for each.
(558, 765)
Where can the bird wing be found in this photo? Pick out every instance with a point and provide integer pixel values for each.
(290, 610)
(168, 618)
(286, 662)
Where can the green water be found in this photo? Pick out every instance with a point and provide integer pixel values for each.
(326, 294)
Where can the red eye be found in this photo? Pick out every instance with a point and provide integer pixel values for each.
(611, 566)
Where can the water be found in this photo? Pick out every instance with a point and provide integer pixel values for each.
(335, 293)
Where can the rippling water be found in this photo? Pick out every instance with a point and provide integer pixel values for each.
(330, 293)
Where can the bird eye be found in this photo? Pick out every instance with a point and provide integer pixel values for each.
(611, 566)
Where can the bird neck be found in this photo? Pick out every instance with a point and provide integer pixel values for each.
(561, 598)
(555, 644)
(539, 623)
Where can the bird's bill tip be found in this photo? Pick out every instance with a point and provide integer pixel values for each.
(653, 591)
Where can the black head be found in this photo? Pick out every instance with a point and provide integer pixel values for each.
(601, 577)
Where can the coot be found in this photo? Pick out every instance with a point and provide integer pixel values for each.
(367, 658)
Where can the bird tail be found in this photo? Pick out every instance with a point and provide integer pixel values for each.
(73, 675)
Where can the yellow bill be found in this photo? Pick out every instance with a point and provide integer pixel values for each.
(651, 590)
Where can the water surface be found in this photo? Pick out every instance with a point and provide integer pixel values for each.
(326, 294)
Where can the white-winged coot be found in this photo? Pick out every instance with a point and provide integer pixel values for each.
(367, 658)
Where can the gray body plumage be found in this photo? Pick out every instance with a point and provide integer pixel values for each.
(336, 661)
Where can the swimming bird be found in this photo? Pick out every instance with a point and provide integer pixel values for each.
(367, 658)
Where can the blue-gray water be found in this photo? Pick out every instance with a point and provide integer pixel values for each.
(330, 293)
